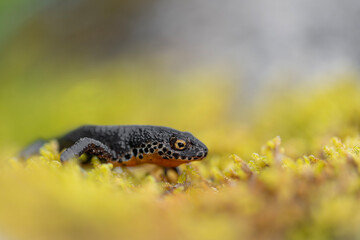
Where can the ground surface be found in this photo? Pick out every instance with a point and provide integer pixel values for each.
(303, 184)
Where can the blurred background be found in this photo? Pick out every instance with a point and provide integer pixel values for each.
(233, 72)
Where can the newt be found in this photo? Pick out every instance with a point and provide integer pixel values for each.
(128, 145)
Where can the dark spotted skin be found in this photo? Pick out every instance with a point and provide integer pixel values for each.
(131, 145)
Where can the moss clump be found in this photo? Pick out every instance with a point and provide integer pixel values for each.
(304, 185)
(269, 196)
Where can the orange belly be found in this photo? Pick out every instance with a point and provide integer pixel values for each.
(150, 158)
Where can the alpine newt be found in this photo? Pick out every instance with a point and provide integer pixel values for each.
(128, 145)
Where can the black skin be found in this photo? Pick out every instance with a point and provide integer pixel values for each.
(121, 143)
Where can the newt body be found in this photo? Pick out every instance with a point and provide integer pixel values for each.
(129, 145)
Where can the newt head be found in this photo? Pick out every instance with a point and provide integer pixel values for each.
(186, 147)
(167, 147)
(174, 148)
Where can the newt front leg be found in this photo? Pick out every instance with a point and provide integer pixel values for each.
(90, 146)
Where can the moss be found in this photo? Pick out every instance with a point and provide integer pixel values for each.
(270, 195)
(302, 184)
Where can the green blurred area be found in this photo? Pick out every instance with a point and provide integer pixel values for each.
(41, 108)
(204, 102)
(67, 64)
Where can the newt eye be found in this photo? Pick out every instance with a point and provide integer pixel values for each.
(177, 144)
(180, 144)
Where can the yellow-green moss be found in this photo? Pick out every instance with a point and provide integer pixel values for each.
(303, 184)
(269, 196)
